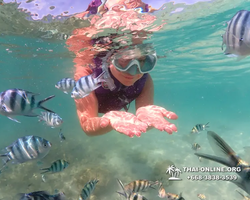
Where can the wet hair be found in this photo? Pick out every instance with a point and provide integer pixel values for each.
(112, 42)
(134, 51)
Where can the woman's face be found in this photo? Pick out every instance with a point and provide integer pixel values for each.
(124, 78)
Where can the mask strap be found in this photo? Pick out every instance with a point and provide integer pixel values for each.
(106, 76)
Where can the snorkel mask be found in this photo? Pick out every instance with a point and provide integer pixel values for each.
(138, 59)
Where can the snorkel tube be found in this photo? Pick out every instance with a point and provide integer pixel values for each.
(106, 75)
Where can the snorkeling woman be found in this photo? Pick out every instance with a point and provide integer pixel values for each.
(129, 69)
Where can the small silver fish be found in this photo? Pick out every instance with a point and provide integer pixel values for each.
(51, 119)
(66, 85)
(25, 149)
(88, 189)
(196, 146)
(61, 136)
(199, 127)
(20, 102)
(86, 84)
(236, 37)
(43, 178)
(56, 166)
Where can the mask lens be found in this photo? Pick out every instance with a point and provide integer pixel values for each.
(149, 63)
(122, 64)
(136, 66)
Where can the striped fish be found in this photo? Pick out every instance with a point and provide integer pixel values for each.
(88, 189)
(56, 166)
(161, 191)
(51, 119)
(61, 136)
(199, 127)
(196, 146)
(66, 85)
(171, 196)
(136, 196)
(40, 195)
(237, 35)
(86, 84)
(135, 187)
(20, 102)
(25, 149)
(63, 36)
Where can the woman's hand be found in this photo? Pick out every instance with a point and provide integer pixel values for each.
(154, 116)
(124, 122)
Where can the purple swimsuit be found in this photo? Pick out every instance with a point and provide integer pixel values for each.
(120, 97)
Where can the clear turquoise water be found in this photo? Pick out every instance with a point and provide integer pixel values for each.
(195, 80)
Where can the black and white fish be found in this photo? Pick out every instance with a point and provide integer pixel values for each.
(51, 119)
(199, 127)
(88, 189)
(26, 149)
(66, 85)
(41, 195)
(171, 196)
(226, 156)
(64, 36)
(56, 166)
(236, 37)
(196, 146)
(20, 102)
(61, 136)
(135, 187)
(87, 84)
(136, 196)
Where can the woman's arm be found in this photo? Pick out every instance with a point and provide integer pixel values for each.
(87, 110)
(147, 95)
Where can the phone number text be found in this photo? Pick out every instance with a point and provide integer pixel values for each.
(212, 177)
